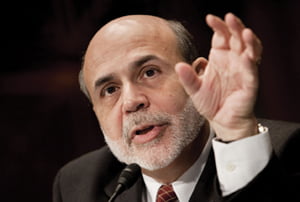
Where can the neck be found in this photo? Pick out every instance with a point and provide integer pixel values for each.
(183, 162)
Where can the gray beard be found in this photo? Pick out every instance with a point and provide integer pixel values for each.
(159, 153)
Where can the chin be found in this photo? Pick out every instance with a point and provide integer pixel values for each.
(153, 155)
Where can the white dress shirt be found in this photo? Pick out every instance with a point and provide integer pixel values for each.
(237, 164)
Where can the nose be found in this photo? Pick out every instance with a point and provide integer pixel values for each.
(134, 100)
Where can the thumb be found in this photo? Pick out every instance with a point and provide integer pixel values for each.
(188, 78)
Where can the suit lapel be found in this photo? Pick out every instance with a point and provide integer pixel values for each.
(204, 190)
(134, 193)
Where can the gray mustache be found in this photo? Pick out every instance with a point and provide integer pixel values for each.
(144, 118)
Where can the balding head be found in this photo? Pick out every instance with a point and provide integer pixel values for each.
(126, 32)
(136, 28)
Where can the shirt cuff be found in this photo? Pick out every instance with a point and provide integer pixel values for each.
(240, 161)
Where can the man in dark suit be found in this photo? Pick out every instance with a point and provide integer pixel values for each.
(187, 121)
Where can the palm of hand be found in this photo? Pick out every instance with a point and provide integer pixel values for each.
(226, 92)
(227, 89)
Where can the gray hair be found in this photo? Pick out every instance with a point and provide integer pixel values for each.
(185, 40)
(185, 44)
(82, 83)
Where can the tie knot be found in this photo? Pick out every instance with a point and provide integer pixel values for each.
(166, 194)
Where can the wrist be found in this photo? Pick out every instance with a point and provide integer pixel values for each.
(237, 131)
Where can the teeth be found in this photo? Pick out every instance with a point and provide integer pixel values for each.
(139, 132)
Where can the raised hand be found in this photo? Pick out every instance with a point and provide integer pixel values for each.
(224, 88)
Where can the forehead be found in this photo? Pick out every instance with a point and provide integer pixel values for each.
(134, 33)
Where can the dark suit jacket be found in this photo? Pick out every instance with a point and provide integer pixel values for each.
(93, 177)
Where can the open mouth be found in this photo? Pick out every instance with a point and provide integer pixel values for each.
(147, 133)
(144, 131)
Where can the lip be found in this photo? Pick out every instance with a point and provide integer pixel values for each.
(151, 132)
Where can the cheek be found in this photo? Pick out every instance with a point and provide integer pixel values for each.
(110, 122)
(172, 100)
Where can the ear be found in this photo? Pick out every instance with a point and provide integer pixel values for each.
(199, 65)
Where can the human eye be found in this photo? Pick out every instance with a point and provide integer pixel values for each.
(150, 72)
(109, 90)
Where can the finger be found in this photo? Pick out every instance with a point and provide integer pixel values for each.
(235, 27)
(249, 75)
(188, 78)
(253, 45)
(221, 33)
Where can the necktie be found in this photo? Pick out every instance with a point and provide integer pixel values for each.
(166, 194)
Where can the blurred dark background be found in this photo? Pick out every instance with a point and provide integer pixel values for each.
(46, 121)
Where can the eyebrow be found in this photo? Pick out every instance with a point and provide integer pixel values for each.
(135, 64)
(142, 61)
(103, 80)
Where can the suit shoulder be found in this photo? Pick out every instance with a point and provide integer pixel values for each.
(88, 174)
(282, 133)
(281, 127)
(99, 161)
